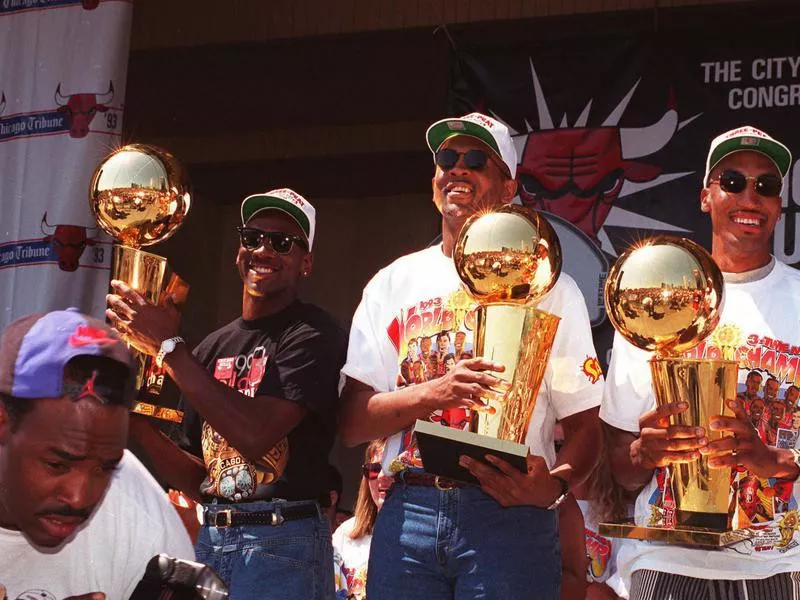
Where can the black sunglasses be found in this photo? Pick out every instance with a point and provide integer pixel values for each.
(370, 470)
(280, 242)
(734, 182)
(475, 160)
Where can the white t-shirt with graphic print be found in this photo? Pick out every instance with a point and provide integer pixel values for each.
(761, 319)
(350, 559)
(415, 321)
(134, 522)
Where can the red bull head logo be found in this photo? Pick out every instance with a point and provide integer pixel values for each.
(80, 109)
(579, 172)
(67, 242)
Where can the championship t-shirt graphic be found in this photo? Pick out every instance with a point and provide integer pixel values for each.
(769, 376)
(431, 337)
(229, 474)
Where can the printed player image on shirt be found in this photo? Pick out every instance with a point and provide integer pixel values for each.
(760, 330)
(415, 322)
(231, 475)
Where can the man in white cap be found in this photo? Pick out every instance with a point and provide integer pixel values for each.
(438, 538)
(262, 399)
(761, 319)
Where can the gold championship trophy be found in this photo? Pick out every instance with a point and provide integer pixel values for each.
(665, 296)
(139, 197)
(508, 259)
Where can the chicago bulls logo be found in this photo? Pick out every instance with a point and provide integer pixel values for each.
(67, 242)
(90, 4)
(80, 109)
(578, 172)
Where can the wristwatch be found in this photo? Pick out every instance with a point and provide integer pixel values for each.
(564, 493)
(167, 346)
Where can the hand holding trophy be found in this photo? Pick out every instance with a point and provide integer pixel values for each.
(139, 196)
(665, 296)
(508, 259)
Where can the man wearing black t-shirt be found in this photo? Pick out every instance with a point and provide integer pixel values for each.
(261, 401)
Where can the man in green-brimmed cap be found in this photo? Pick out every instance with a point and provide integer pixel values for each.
(437, 538)
(760, 324)
(261, 400)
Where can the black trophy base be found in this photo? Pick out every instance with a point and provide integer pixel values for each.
(440, 448)
(701, 520)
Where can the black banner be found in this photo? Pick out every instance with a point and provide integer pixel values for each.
(612, 134)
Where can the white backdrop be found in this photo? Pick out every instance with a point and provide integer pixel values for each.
(62, 85)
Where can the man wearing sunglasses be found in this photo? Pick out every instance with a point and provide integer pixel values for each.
(260, 417)
(436, 538)
(761, 320)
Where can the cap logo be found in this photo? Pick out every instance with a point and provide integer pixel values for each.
(86, 335)
(88, 391)
(291, 196)
(455, 126)
(750, 141)
(482, 120)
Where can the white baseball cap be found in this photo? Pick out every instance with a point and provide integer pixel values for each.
(486, 129)
(750, 139)
(284, 200)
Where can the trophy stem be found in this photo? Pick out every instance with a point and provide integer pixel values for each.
(520, 338)
(150, 275)
(701, 493)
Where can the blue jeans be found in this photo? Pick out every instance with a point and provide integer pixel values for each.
(265, 562)
(459, 544)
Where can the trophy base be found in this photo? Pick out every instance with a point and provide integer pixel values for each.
(440, 448)
(701, 520)
(158, 412)
(679, 536)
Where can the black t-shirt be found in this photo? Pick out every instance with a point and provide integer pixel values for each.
(295, 355)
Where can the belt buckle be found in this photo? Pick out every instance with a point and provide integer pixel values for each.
(226, 522)
(443, 485)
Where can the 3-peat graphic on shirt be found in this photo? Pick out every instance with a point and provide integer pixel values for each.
(769, 378)
(231, 475)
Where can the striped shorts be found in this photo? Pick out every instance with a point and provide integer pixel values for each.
(655, 585)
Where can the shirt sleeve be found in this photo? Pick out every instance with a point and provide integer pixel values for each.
(628, 390)
(573, 378)
(365, 356)
(307, 364)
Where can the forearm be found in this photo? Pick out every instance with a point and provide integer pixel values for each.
(172, 465)
(573, 585)
(580, 453)
(368, 415)
(243, 421)
(626, 474)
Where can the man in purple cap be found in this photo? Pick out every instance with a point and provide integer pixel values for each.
(261, 402)
(79, 516)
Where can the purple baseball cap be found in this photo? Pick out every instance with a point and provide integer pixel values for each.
(41, 356)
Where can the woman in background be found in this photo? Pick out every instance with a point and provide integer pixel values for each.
(352, 539)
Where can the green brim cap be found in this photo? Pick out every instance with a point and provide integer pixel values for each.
(776, 151)
(255, 204)
(440, 132)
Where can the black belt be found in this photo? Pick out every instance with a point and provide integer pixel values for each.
(430, 480)
(230, 518)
